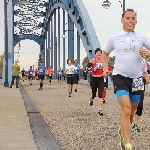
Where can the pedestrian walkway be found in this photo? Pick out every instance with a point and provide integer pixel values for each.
(15, 131)
(76, 125)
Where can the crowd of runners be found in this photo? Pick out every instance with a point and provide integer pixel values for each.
(129, 75)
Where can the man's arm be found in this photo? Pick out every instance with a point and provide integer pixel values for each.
(108, 49)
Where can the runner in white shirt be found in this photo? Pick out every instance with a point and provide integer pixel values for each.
(139, 110)
(127, 73)
(69, 70)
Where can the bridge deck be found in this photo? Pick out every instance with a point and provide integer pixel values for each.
(76, 125)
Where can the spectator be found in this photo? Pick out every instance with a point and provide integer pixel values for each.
(15, 74)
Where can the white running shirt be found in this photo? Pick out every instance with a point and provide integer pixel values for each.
(126, 46)
(70, 69)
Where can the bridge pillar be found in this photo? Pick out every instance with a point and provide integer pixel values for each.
(78, 47)
(64, 52)
(52, 42)
(10, 42)
(44, 45)
(55, 45)
(70, 38)
(59, 37)
(48, 50)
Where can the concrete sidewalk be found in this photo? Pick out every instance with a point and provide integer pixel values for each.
(15, 131)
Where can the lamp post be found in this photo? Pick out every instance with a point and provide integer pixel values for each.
(106, 4)
(71, 55)
(63, 36)
(6, 84)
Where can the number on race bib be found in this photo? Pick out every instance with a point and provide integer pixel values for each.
(137, 84)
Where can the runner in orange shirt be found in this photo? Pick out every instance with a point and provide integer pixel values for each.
(50, 72)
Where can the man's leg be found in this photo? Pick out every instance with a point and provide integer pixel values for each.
(17, 81)
(12, 82)
(124, 101)
(135, 99)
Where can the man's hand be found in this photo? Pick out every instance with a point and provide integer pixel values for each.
(144, 52)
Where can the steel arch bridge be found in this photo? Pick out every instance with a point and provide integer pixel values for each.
(46, 32)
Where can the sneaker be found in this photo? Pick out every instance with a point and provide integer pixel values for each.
(135, 128)
(30, 84)
(69, 95)
(75, 90)
(104, 101)
(100, 112)
(128, 147)
(122, 142)
(91, 102)
(40, 88)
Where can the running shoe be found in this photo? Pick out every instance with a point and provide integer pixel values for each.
(122, 142)
(40, 88)
(100, 112)
(91, 102)
(128, 147)
(69, 94)
(135, 128)
(75, 90)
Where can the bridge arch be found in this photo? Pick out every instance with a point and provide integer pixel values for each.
(78, 17)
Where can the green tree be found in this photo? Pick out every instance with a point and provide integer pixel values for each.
(111, 61)
(85, 62)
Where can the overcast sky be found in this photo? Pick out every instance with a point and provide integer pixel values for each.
(105, 21)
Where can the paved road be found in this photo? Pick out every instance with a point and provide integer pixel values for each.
(15, 131)
(76, 125)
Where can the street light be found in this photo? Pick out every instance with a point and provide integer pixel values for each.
(49, 48)
(25, 2)
(63, 36)
(106, 4)
(20, 34)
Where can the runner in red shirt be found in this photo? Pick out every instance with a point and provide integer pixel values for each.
(97, 79)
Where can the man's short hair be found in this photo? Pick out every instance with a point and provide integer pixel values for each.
(41, 62)
(76, 60)
(129, 9)
(98, 49)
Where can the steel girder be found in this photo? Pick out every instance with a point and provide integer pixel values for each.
(79, 15)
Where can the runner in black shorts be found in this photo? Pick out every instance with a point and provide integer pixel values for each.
(139, 110)
(41, 71)
(76, 74)
(96, 79)
(69, 70)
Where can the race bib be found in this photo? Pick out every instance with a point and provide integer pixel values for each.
(50, 75)
(99, 65)
(30, 72)
(41, 70)
(59, 73)
(137, 84)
